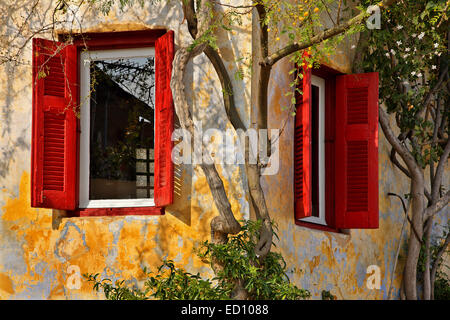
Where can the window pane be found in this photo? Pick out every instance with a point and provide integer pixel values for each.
(122, 129)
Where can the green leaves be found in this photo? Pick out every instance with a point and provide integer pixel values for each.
(116, 291)
(262, 278)
(409, 53)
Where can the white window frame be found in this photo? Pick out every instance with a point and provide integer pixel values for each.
(86, 58)
(320, 83)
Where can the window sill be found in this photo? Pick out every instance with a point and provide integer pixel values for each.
(137, 211)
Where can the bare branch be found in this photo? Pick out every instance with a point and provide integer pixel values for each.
(214, 57)
(398, 164)
(426, 276)
(438, 206)
(397, 145)
(406, 215)
(329, 15)
(429, 96)
(225, 223)
(234, 6)
(339, 11)
(437, 181)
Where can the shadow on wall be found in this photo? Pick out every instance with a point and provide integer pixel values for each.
(13, 138)
(182, 182)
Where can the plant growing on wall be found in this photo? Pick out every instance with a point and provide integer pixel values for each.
(411, 54)
(421, 144)
(263, 280)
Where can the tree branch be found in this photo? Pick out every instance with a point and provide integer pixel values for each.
(234, 6)
(326, 34)
(427, 284)
(397, 145)
(225, 223)
(222, 73)
(438, 206)
(437, 181)
(395, 161)
(429, 96)
(260, 82)
(436, 263)
(227, 88)
(406, 215)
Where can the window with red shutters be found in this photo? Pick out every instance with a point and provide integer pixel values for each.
(351, 152)
(53, 147)
(55, 162)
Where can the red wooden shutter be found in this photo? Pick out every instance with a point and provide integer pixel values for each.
(164, 51)
(357, 151)
(53, 147)
(302, 149)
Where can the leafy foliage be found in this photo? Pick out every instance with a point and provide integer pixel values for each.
(442, 287)
(115, 291)
(442, 282)
(296, 22)
(263, 279)
(326, 295)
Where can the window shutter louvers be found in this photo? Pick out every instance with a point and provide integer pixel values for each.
(357, 151)
(53, 148)
(164, 51)
(302, 148)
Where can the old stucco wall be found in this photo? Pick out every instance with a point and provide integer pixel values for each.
(37, 250)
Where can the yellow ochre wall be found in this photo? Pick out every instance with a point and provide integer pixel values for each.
(38, 250)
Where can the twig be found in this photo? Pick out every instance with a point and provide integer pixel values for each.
(398, 245)
(407, 216)
(233, 6)
(339, 11)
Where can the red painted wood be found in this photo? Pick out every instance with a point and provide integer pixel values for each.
(302, 149)
(164, 109)
(52, 95)
(107, 41)
(356, 179)
(53, 147)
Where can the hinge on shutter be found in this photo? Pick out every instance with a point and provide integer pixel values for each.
(42, 196)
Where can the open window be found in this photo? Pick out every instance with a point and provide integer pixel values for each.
(336, 150)
(102, 123)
